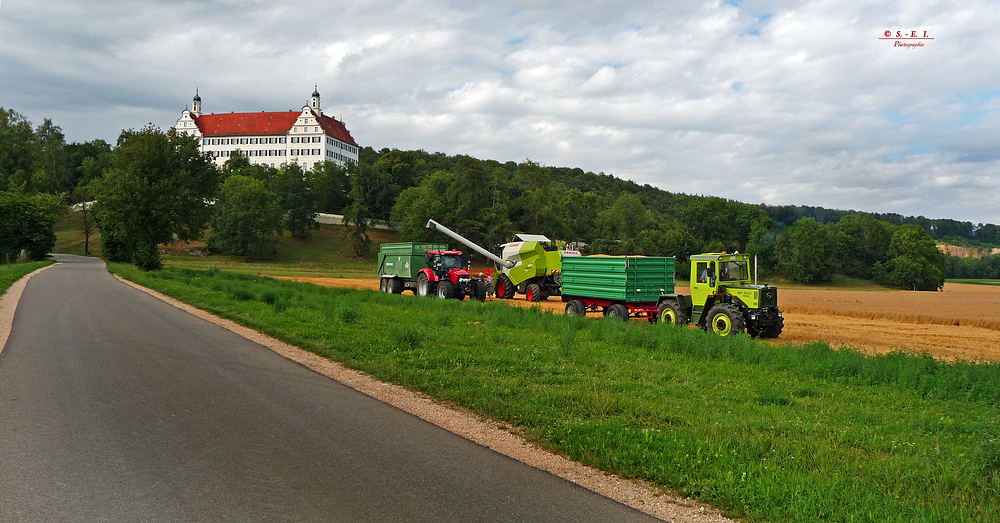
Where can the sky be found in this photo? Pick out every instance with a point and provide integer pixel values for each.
(783, 103)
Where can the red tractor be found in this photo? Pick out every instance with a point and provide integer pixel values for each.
(445, 277)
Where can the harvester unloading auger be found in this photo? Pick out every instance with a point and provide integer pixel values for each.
(530, 265)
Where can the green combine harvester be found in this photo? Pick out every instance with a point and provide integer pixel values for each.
(529, 265)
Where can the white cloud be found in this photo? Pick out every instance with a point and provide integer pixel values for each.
(777, 102)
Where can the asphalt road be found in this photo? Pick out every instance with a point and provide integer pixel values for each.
(115, 406)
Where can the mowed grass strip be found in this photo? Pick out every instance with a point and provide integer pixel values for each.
(789, 433)
(10, 273)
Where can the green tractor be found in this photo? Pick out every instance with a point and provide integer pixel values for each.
(724, 299)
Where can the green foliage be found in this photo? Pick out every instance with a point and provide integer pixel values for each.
(296, 199)
(330, 186)
(17, 151)
(767, 433)
(246, 216)
(158, 188)
(915, 263)
(27, 223)
(806, 253)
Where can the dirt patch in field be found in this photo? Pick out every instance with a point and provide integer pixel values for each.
(962, 322)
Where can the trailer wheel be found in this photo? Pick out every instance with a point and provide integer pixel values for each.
(381, 284)
(534, 292)
(505, 289)
(616, 310)
(576, 308)
(670, 313)
(479, 290)
(394, 286)
(424, 286)
(725, 320)
(445, 289)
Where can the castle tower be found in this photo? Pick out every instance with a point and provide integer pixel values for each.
(314, 102)
(196, 103)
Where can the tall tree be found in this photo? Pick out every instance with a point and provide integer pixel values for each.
(246, 216)
(159, 186)
(17, 150)
(296, 200)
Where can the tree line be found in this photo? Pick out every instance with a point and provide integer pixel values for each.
(154, 186)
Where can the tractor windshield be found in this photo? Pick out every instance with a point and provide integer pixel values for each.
(733, 271)
(451, 262)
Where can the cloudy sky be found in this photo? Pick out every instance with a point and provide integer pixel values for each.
(798, 102)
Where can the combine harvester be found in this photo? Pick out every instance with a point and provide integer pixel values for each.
(530, 265)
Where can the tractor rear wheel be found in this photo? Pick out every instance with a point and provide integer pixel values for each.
(424, 287)
(445, 289)
(505, 289)
(534, 292)
(670, 313)
(725, 320)
(575, 308)
(616, 310)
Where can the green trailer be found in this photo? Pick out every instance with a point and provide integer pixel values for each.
(399, 264)
(619, 286)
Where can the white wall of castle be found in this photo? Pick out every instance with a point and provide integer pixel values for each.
(305, 144)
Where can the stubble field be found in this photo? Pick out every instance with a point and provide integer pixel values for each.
(962, 322)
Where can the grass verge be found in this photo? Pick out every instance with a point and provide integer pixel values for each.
(789, 433)
(15, 271)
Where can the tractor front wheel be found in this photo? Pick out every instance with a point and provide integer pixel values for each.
(479, 290)
(445, 289)
(725, 320)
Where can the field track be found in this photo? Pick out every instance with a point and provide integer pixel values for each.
(962, 322)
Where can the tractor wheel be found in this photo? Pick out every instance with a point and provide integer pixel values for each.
(479, 290)
(504, 288)
(616, 310)
(533, 292)
(576, 308)
(425, 287)
(725, 320)
(773, 331)
(446, 289)
(670, 313)
(395, 286)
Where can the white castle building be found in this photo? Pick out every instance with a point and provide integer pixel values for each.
(304, 137)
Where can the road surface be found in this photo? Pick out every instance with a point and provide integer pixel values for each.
(117, 407)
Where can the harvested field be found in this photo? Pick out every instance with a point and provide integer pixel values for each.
(962, 322)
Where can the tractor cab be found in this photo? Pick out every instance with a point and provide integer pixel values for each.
(447, 264)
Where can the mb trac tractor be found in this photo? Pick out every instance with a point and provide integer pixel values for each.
(724, 300)
(530, 265)
(426, 269)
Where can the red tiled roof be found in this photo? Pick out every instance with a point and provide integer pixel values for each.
(264, 123)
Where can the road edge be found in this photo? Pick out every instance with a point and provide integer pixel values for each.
(488, 433)
(8, 304)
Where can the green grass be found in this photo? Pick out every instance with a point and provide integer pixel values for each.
(15, 271)
(324, 253)
(789, 433)
(974, 282)
(70, 238)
